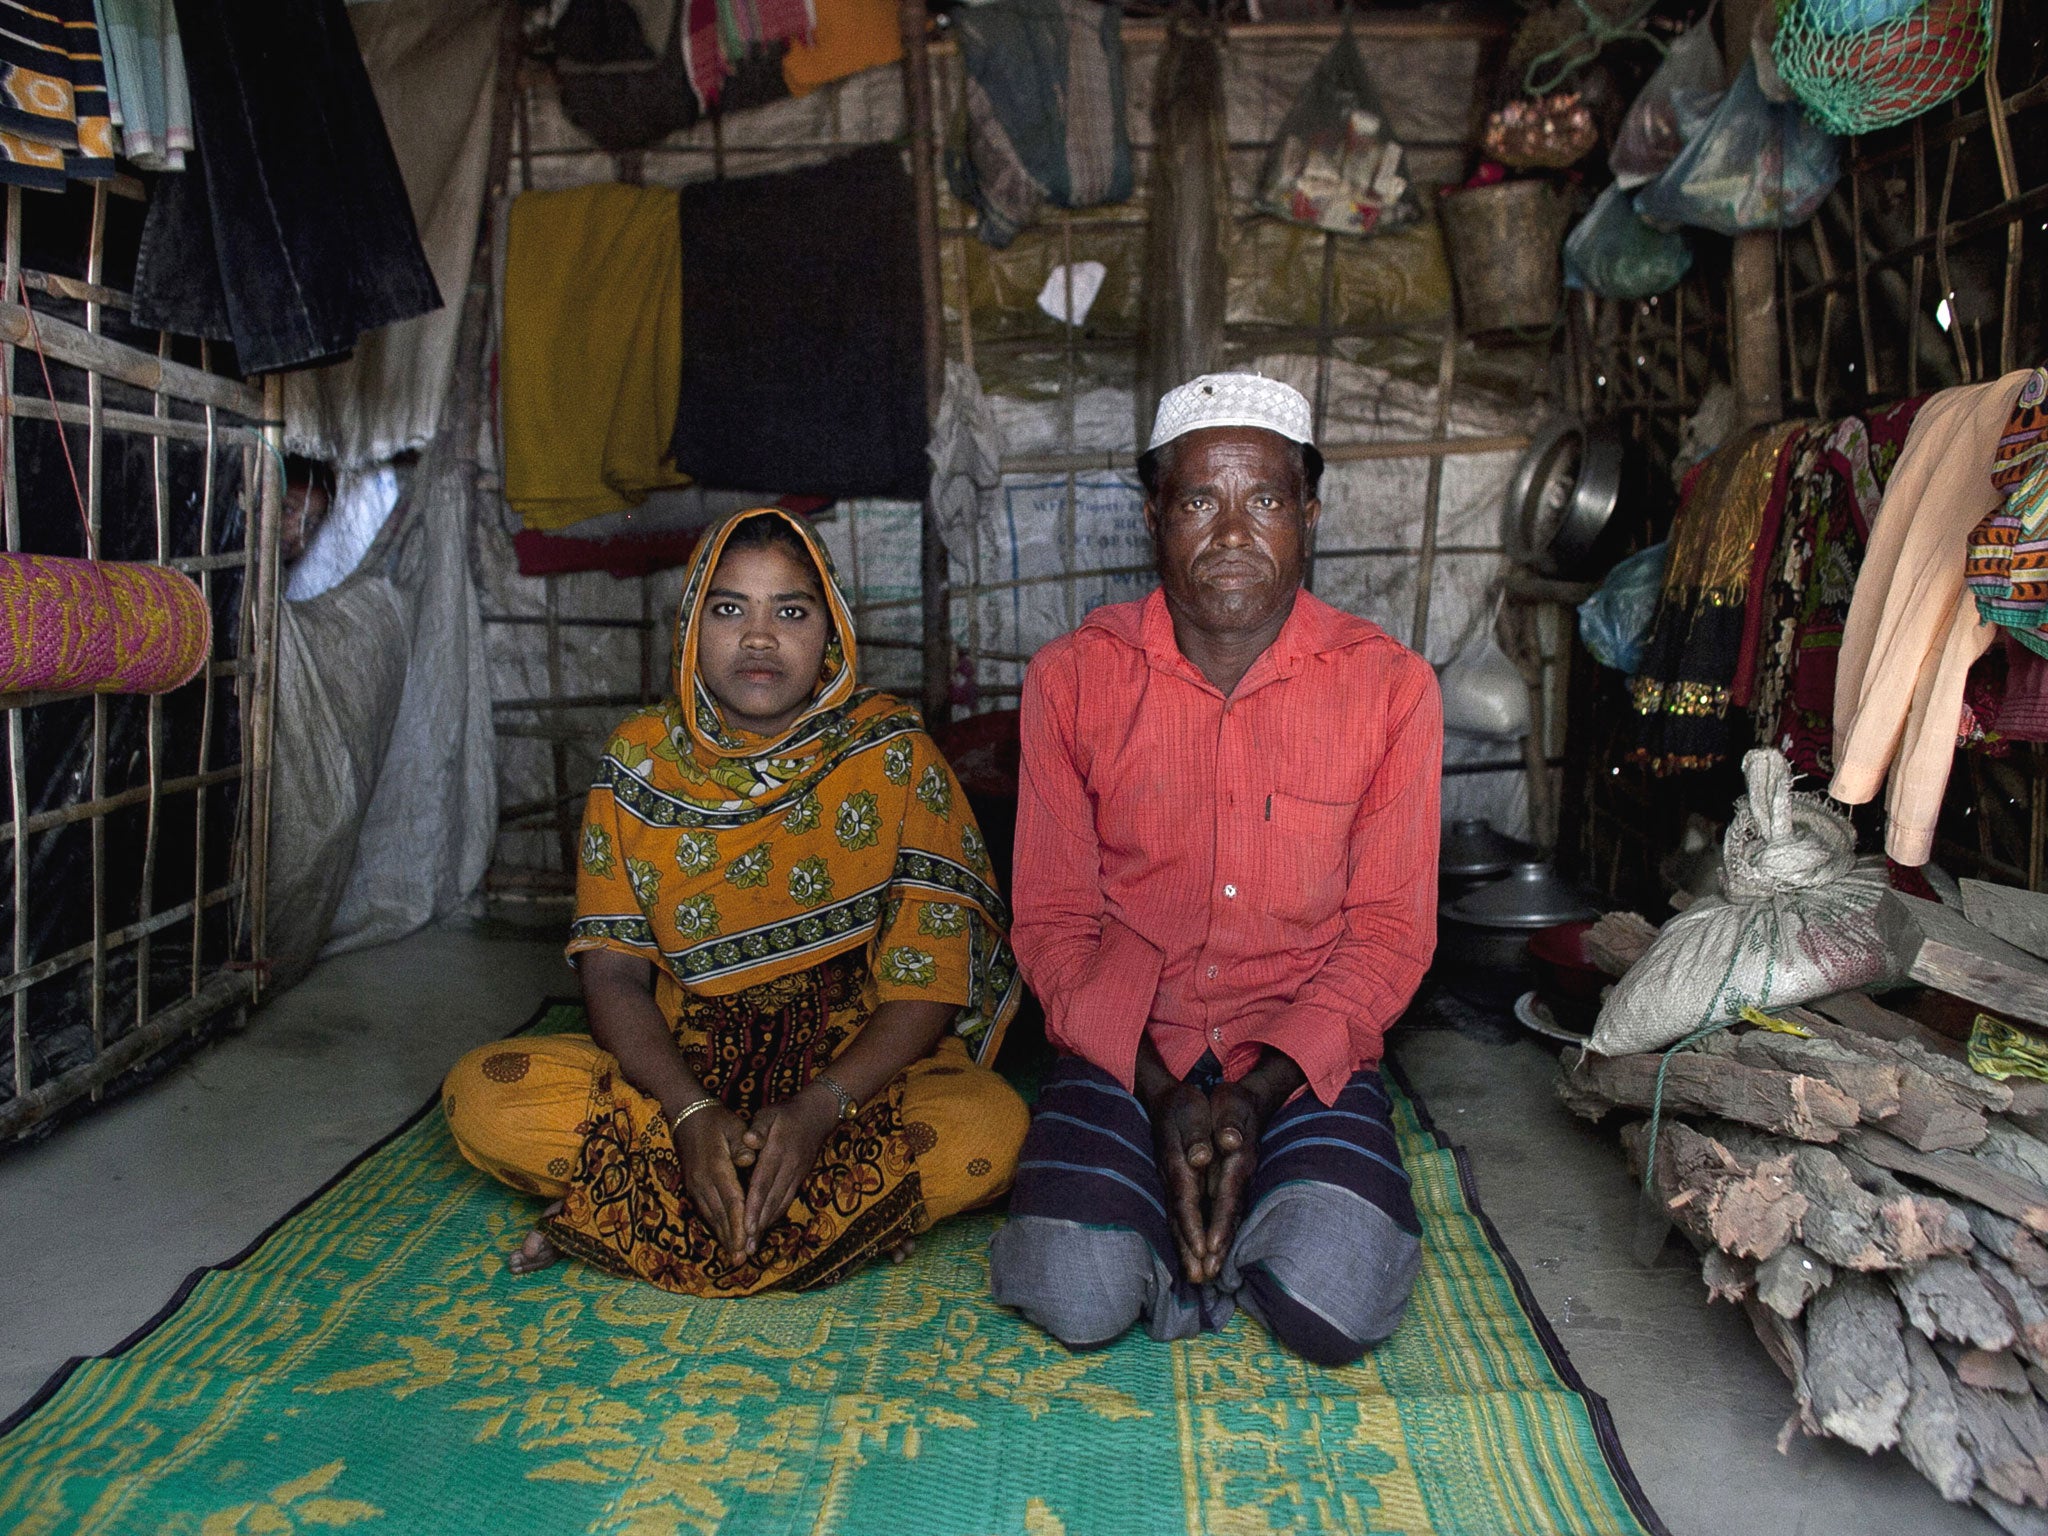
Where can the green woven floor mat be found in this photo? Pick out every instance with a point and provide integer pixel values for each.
(371, 1366)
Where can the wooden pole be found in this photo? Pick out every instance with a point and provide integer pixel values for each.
(935, 577)
(262, 694)
(1753, 276)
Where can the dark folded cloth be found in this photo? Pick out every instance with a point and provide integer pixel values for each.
(798, 371)
(290, 233)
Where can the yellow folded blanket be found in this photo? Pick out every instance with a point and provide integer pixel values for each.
(592, 360)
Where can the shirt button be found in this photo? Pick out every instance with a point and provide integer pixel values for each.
(1212, 971)
(1216, 1034)
(1230, 890)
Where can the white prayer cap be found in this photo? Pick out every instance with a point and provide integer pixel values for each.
(1232, 400)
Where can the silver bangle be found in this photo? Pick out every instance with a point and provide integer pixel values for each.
(849, 1106)
(676, 1123)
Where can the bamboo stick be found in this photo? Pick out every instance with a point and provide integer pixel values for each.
(26, 1108)
(73, 344)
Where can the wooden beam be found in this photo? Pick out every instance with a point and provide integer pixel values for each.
(1753, 340)
(2009, 913)
(73, 344)
(1939, 947)
(934, 571)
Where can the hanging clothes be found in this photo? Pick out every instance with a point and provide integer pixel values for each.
(2023, 711)
(1838, 474)
(592, 350)
(295, 235)
(1045, 110)
(800, 373)
(145, 67)
(55, 121)
(1913, 631)
(852, 35)
(1683, 693)
(625, 89)
(434, 67)
(720, 35)
(2007, 570)
(2007, 574)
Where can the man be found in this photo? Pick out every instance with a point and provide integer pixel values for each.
(1225, 888)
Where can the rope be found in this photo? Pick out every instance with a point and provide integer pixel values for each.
(1599, 31)
(1657, 1097)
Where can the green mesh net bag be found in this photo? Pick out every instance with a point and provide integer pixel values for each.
(1858, 65)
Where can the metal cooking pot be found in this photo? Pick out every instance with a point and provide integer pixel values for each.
(1482, 938)
(1471, 854)
(1563, 495)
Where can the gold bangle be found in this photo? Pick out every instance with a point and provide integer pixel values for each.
(676, 1124)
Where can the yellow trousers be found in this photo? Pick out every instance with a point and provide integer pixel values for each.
(515, 1108)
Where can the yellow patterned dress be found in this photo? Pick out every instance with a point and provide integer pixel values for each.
(783, 889)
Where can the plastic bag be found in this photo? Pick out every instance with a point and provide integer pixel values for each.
(1484, 693)
(1798, 920)
(1614, 253)
(1652, 134)
(1336, 164)
(1615, 621)
(1754, 165)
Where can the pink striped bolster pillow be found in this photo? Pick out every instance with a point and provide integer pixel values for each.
(100, 625)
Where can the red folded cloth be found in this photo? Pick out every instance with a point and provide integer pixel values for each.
(626, 555)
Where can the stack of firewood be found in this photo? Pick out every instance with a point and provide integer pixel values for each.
(1881, 1212)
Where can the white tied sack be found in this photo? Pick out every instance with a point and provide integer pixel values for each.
(1797, 920)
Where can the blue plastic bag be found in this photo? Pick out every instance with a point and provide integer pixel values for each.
(1756, 164)
(1614, 253)
(1615, 621)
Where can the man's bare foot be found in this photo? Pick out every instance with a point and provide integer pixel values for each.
(536, 1252)
(903, 1250)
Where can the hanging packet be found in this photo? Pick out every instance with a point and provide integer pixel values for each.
(1336, 164)
(1653, 132)
(1615, 621)
(1484, 693)
(1754, 165)
(1613, 252)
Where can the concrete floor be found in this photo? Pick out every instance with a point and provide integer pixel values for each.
(103, 1219)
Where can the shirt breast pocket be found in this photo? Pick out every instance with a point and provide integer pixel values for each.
(1310, 857)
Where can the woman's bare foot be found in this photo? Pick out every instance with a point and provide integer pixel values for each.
(903, 1250)
(536, 1252)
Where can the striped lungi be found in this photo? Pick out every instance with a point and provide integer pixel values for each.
(1325, 1254)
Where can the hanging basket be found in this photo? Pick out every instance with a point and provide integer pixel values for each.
(1859, 65)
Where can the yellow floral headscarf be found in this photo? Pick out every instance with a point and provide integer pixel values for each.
(730, 859)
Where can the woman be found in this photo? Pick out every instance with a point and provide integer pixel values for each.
(794, 964)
